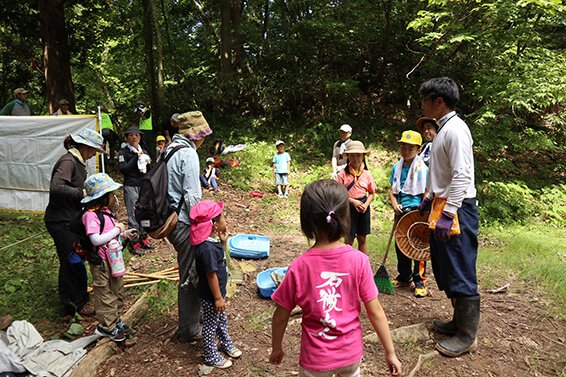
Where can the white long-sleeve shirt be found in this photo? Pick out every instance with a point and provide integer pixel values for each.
(451, 170)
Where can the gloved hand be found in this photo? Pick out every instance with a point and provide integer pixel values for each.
(443, 225)
(425, 206)
(130, 234)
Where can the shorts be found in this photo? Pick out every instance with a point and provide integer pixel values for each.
(281, 179)
(347, 371)
(360, 223)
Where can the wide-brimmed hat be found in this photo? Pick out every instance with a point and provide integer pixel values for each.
(20, 91)
(132, 130)
(91, 138)
(411, 137)
(98, 185)
(193, 125)
(201, 216)
(421, 122)
(411, 235)
(356, 146)
(345, 128)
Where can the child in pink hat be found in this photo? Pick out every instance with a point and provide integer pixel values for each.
(208, 237)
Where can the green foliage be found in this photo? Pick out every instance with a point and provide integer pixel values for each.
(28, 283)
(502, 202)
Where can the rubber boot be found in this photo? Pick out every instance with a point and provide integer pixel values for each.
(446, 327)
(467, 316)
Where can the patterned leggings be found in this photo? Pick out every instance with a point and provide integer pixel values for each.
(215, 324)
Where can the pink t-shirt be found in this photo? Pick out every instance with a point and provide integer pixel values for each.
(365, 183)
(92, 226)
(328, 285)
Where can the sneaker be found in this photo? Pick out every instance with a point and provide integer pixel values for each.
(286, 195)
(421, 292)
(146, 245)
(234, 352)
(136, 248)
(222, 364)
(115, 334)
(122, 326)
(280, 195)
(397, 284)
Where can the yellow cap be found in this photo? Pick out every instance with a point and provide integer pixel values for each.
(160, 138)
(411, 137)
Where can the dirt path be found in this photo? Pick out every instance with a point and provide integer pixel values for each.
(517, 335)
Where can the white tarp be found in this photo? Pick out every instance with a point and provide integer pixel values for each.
(29, 147)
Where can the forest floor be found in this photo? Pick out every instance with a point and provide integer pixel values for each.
(518, 334)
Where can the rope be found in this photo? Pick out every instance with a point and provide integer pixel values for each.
(24, 240)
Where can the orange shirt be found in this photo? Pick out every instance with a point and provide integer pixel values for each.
(364, 185)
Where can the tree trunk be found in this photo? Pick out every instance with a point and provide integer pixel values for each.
(159, 84)
(148, 44)
(225, 37)
(236, 11)
(58, 80)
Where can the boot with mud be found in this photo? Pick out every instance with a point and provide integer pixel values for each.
(446, 327)
(467, 316)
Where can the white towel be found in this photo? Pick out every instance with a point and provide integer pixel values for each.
(415, 184)
(143, 158)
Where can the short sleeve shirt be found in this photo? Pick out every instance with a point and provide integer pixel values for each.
(364, 184)
(281, 162)
(329, 285)
(405, 200)
(210, 257)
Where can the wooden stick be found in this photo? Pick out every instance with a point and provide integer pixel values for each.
(420, 362)
(140, 284)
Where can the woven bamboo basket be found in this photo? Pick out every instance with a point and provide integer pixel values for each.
(412, 235)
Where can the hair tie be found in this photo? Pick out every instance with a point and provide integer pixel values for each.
(329, 217)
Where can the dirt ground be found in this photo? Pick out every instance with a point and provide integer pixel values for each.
(517, 336)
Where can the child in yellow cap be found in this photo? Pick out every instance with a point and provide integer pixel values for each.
(408, 185)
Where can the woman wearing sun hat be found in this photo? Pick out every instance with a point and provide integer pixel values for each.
(361, 188)
(65, 193)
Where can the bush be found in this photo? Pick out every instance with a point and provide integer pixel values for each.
(512, 202)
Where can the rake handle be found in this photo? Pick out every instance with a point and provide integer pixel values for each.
(389, 242)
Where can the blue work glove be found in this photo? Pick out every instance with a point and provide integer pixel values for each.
(443, 225)
(425, 206)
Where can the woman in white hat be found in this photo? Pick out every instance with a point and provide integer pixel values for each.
(361, 188)
(65, 193)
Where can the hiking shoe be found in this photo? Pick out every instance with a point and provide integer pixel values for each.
(136, 248)
(233, 352)
(421, 292)
(222, 364)
(115, 334)
(397, 284)
(122, 326)
(146, 245)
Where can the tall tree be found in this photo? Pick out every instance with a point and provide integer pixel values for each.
(56, 55)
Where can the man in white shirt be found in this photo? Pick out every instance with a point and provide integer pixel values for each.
(451, 178)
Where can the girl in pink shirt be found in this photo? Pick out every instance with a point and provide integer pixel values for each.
(328, 282)
(361, 188)
(106, 234)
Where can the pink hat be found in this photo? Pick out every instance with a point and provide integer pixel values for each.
(201, 220)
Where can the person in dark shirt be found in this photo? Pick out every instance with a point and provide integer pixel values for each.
(65, 193)
(207, 221)
(134, 164)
